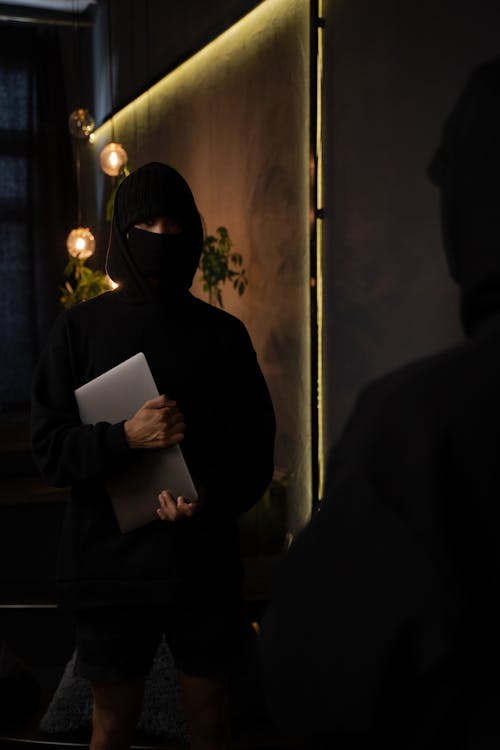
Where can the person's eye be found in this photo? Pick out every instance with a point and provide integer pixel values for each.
(149, 222)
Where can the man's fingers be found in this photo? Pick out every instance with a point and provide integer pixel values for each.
(167, 500)
(155, 403)
(166, 435)
(165, 442)
(171, 435)
(174, 510)
(159, 423)
(159, 402)
(185, 508)
(168, 507)
(175, 429)
(171, 415)
(173, 440)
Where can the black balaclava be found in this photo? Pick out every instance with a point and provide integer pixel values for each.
(466, 168)
(133, 254)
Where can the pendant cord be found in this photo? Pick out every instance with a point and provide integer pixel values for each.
(79, 211)
(76, 142)
(110, 70)
(148, 70)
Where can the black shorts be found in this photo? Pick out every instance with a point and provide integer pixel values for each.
(120, 643)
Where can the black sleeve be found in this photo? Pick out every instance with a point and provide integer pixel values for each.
(66, 451)
(242, 466)
(357, 619)
(361, 611)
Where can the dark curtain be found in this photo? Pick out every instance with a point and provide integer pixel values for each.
(37, 200)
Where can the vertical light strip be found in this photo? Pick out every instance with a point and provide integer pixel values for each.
(319, 247)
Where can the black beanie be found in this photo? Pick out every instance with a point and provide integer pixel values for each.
(154, 189)
(466, 168)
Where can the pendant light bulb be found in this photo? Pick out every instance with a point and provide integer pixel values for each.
(81, 123)
(112, 158)
(81, 243)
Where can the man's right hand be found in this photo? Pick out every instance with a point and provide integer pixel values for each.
(158, 424)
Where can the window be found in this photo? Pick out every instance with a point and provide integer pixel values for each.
(16, 333)
(37, 199)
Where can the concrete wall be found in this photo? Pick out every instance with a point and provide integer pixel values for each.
(393, 71)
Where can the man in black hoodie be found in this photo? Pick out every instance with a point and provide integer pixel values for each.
(384, 630)
(181, 574)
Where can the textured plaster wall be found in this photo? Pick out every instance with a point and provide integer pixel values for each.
(234, 121)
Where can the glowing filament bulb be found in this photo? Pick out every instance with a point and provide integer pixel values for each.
(112, 158)
(81, 243)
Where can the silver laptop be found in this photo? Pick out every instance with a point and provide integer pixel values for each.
(112, 397)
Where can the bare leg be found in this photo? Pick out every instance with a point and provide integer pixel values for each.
(206, 707)
(116, 710)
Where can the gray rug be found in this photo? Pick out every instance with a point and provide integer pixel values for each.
(71, 707)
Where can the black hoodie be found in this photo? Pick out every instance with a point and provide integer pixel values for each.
(465, 168)
(200, 356)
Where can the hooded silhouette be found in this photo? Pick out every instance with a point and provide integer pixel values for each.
(384, 629)
(465, 169)
(153, 190)
(202, 358)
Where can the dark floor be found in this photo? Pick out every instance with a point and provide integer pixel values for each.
(42, 637)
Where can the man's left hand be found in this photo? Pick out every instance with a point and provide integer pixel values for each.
(175, 510)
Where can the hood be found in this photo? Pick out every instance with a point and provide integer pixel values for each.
(466, 168)
(154, 189)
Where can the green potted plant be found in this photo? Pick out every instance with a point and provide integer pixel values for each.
(82, 283)
(218, 264)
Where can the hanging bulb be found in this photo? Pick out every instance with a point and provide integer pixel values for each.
(81, 243)
(81, 123)
(112, 158)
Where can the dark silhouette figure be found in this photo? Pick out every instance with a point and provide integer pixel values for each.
(384, 627)
(181, 574)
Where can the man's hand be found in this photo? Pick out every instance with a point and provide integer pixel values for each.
(175, 510)
(158, 424)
